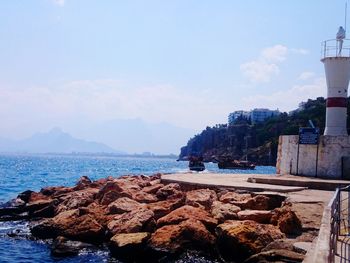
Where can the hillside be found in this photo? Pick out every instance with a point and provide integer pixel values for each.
(258, 141)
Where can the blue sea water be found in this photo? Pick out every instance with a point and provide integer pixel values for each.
(21, 172)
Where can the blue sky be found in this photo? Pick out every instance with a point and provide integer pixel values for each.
(188, 63)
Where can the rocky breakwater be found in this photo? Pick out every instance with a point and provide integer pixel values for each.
(144, 220)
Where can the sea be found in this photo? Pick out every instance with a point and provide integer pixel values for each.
(26, 171)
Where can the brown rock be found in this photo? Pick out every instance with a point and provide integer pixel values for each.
(113, 190)
(260, 216)
(63, 247)
(231, 197)
(237, 240)
(188, 234)
(246, 201)
(129, 247)
(71, 225)
(144, 197)
(55, 191)
(223, 212)
(82, 183)
(123, 205)
(153, 188)
(286, 220)
(201, 197)
(163, 208)
(276, 255)
(76, 199)
(188, 212)
(141, 220)
(168, 191)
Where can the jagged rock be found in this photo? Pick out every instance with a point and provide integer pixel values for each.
(163, 208)
(231, 197)
(129, 247)
(98, 212)
(63, 247)
(223, 212)
(187, 212)
(141, 220)
(201, 197)
(168, 191)
(286, 220)
(123, 205)
(189, 234)
(71, 225)
(144, 197)
(115, 189)
(276, 255)
(82, 183)
(246, 201)
(260, 216)
(237, 240)
(76, 199)
(55, 191)
(25, 196)
(152, 189)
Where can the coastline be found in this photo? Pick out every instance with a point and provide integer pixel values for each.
(163, 211)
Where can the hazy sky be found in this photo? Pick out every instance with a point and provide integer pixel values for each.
(188, 63)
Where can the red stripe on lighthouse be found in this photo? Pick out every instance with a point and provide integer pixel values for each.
(336, 102)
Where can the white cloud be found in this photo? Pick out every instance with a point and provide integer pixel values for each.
(306, 75)
(276, 53)
(59, 2)
(266, 65)
(287, 100)
(259, 71)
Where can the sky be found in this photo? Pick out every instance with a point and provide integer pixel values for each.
(188, 63)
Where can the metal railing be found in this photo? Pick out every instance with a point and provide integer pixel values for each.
(339, 241)
(335, 48)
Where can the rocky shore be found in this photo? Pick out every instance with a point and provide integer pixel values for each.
(143, 220)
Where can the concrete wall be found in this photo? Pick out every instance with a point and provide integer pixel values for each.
(330, 153)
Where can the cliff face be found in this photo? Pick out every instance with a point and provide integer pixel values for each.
(234, 141)
(259, 142)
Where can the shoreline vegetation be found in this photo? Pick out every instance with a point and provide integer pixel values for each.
(141, 219)
(256, 142)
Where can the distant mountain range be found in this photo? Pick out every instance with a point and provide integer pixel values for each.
(54, 141)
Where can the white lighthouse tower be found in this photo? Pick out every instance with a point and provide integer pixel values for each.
(336, 60)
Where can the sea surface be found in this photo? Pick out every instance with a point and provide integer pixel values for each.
(22, 172)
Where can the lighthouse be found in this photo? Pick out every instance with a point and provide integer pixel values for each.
(336, 60)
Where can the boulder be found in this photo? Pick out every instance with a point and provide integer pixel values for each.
(55, 191)
(152, 189)
(223, 212)
(141, 220)
(82, 183)
(246, 201)
(163, 208)
(201, 197)
(286, 220)
(277, 256)
(187, 212)
(129, 247)
(188, 234)
(63, 247)
(238, 240)
(123, 205)
(76, 199)
(144, 197)
(260, 216)
(71, 225)
(113, 190)
(169, 191)
(231, 197)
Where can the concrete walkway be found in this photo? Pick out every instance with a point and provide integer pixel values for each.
(236, 181)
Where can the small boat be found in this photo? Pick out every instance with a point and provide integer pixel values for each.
(235, 164)
(196, 164)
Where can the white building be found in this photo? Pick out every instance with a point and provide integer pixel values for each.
(260, 115)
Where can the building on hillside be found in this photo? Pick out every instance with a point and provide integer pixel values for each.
(234, 116)
(260, 115)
